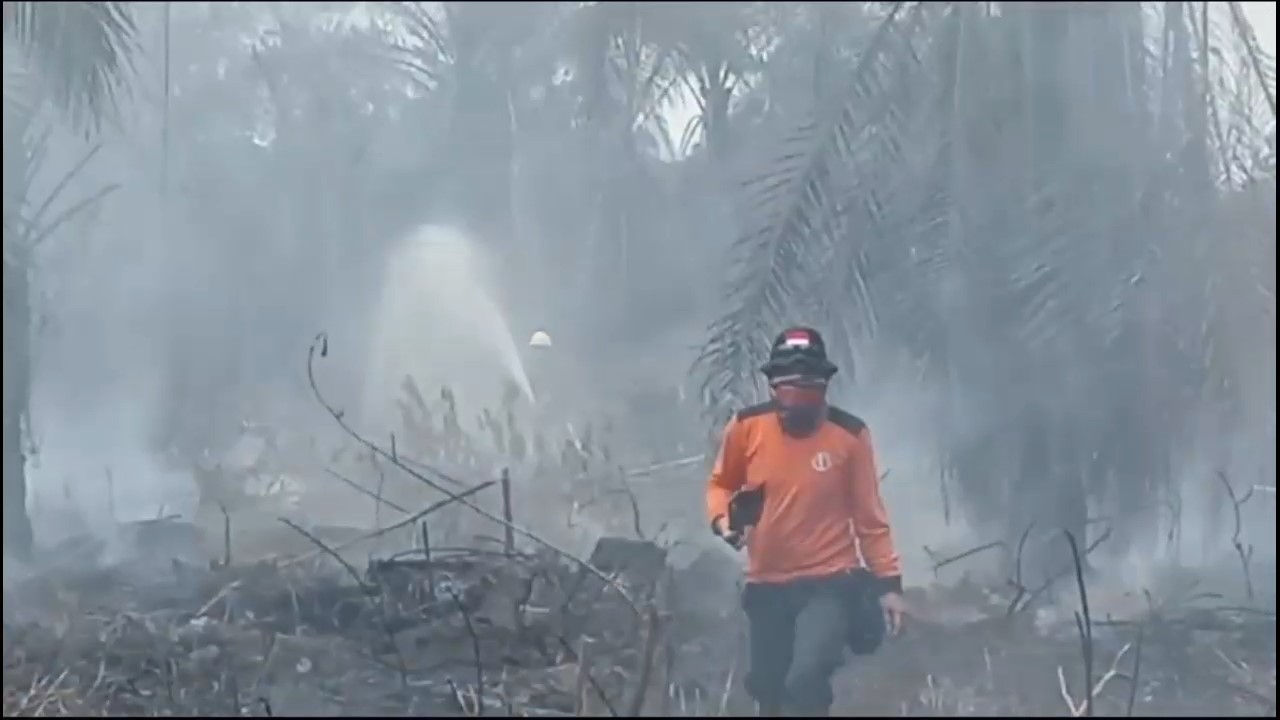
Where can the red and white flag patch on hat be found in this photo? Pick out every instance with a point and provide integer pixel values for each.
(796, 339)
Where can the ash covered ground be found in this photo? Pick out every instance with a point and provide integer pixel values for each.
(498, 597)
(154, 623)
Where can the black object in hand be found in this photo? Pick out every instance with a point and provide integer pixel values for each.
(867, 629)
(745, 509)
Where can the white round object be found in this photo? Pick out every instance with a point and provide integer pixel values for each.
(540, 339)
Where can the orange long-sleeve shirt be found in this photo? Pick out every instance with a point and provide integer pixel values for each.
(822, 508)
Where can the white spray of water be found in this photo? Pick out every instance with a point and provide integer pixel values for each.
(438, 322)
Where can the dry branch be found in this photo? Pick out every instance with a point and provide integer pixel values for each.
(1243, 552)
(1084, 621)
(1029, 597)
(939, 564)
(651, 634)
(406, 522)
(321, 345)
(1084, 708)
(376, 496)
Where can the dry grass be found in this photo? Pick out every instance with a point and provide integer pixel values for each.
(466, 633)
(481, 633)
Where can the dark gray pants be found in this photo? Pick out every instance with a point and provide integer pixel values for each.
(798, 634)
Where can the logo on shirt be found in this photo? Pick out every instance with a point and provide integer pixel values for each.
(821, 461)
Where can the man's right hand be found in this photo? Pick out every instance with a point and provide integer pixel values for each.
(895, 609)
(732, 537)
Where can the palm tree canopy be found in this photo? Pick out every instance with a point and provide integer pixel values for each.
(81, 50)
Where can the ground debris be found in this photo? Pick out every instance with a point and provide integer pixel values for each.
(531, 633)
(966, 656)
(465, 632)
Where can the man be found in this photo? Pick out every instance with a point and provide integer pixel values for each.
(805, 475)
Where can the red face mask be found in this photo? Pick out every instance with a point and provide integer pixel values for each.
(801, 404)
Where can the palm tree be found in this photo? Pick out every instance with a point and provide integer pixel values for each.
(258, 202)
(82, 51)
(585, 80)
(75, 54)
(1020, 195)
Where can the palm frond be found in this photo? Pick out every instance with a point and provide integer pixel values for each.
(425, 49)
(82, 50)
(22, 90)
(30, 221)
(1002, 201)
(1263, 66)
(793, 202)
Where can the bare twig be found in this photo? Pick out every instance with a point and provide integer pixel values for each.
(461, 699)
(508, 534)
(1084, 708)
(636, 525)
(939, 564)
(668, 465)
(1244, 679)
(584, 678)
(226, 535)
(377, 497)
(321, 346)
(426, 556)
(1084, 621)
(1044, 587)
(581, 679)
(355, 574)
(652, 632)
(401, 524)
(1137, 673)
(269, 643)
(722, 708)
(1018, 586)
(475, 649)
(1245, 553)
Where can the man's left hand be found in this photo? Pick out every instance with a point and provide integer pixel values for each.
(895, 610)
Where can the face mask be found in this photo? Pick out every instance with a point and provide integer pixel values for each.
(802, 406)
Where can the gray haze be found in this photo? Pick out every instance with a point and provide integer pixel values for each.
(431, 199)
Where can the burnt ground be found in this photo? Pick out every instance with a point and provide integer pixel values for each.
(1198, 663)
(533, 633)
(964, 654)
(469, 631)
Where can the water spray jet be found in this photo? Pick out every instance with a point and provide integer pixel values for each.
(439, 322)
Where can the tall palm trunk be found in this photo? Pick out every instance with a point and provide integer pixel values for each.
(82, 81)
(18, 534)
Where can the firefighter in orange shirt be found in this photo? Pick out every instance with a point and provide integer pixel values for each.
(795, 481)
